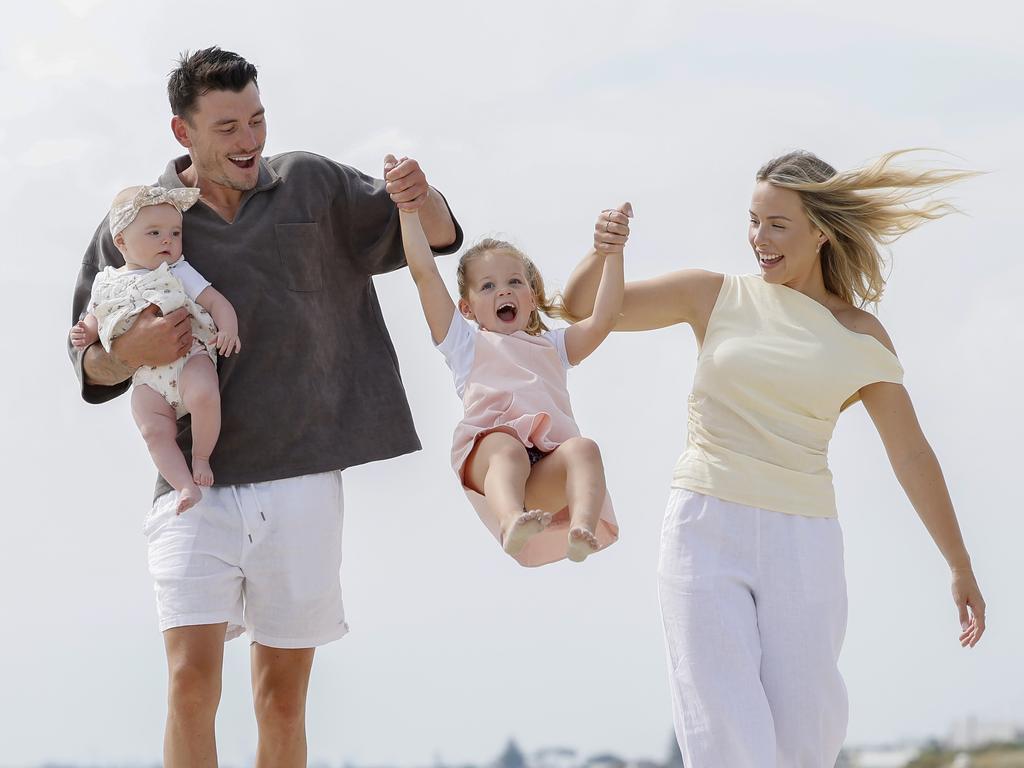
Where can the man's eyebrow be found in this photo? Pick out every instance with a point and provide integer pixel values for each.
(227, 120)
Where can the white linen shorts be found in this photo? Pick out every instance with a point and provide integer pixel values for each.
(754, 607)
(263, 557)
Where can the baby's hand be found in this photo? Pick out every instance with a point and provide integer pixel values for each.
(82, 335)
(227, 342)
(612, 229)
(406, 182)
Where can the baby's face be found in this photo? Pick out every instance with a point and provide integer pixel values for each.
(153, 238)
(500, 298)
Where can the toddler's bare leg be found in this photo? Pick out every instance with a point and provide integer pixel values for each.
(155, 419)
(574, 471)
(200, 392)
(499, 467)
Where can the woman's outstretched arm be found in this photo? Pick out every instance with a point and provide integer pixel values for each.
(918, 471)
(686, 296)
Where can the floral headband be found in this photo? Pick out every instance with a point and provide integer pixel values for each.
(123, 214)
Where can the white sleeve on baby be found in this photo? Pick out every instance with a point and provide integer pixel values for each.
(459, 349)
(191, 281)
(557, 338)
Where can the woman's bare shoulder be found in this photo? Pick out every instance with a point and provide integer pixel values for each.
(864, 322)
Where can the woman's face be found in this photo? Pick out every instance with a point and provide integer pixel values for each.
(786, 244)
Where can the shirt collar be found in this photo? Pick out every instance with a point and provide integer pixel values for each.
(268, 178)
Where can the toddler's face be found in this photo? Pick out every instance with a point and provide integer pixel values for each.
(500, 297)
(153, 238)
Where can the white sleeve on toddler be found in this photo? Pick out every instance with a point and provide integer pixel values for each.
(459, 349)
(191, 280)
(557, 337)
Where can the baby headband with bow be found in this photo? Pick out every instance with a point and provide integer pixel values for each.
(123, 214)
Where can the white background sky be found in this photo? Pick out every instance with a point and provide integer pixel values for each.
(531, 117)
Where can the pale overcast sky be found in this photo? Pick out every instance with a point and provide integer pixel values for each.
(531, 117)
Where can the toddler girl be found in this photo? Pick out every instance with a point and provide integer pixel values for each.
(537, 485)
(145, 224)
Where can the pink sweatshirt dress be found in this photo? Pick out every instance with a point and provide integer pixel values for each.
(517, 384)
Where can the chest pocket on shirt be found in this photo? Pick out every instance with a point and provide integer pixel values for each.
(302, 255)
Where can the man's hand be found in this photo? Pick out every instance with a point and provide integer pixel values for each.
(154, 340)
(406, 182)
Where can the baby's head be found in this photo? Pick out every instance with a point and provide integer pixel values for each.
(145, 224)
(501, 289)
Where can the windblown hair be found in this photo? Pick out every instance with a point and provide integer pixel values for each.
(552, 307)
(859, 211)
(210, 69)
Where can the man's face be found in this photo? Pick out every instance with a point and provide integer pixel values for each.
(226, 134)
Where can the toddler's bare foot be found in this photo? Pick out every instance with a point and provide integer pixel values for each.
(581, 544)
(201, 472)
(522, 528)
(188, 497)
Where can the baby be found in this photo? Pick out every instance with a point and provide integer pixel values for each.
(145, 224)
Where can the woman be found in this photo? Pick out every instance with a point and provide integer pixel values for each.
(751, 577)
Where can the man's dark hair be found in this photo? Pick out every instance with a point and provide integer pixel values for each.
(210, 69)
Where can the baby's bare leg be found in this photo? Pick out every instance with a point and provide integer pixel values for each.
(499, 467)
(155, 419)
(200, 392)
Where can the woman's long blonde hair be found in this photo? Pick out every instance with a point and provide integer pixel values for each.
(552, 307)
(860, 210)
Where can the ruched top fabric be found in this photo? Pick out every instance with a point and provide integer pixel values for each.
(774, 372)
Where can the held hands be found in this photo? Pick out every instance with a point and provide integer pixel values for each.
(406, 183)
(82, 335)
(612, 229)
(967, 595)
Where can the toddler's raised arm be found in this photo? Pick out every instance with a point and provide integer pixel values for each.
(585, 336)
(437, 303)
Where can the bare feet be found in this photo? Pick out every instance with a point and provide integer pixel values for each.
(188, 497)
(525, 525)
(201, 472)
(581, 544)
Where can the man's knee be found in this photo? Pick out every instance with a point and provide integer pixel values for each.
(193, 690)
(280, 707)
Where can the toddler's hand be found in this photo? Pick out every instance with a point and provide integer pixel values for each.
(406, 182)
(227, 342)
(82, 336)
(612, 229)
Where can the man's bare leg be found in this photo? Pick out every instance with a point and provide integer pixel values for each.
(280, 680)
(195, 659)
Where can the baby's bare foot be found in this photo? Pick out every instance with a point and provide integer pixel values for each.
(524, 526)
(201, 472)
(188, 497)
(581, 544)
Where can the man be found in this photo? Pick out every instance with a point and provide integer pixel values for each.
(293, 241)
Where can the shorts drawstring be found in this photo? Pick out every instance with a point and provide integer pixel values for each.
(241, 513)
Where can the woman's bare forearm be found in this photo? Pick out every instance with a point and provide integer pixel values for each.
(921, 477)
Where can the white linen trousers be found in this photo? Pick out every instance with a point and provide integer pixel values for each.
(754, 608)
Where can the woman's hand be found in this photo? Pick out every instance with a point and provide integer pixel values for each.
(612, 229)
(970, 605)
